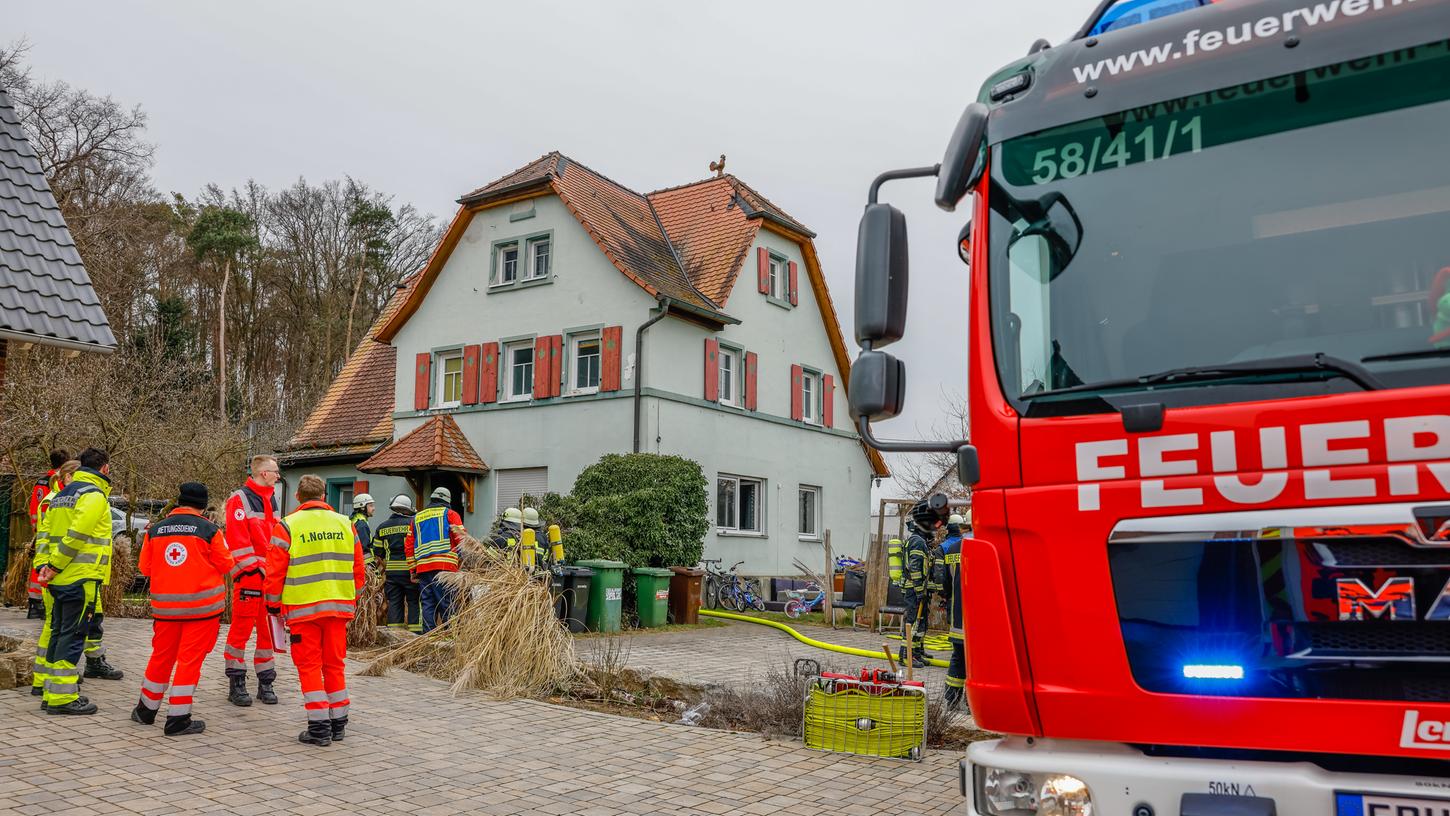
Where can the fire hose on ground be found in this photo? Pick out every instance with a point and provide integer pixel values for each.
(819, 644)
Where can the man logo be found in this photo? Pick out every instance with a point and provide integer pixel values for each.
(1394, 600)
(176, 554)
(1418, 733)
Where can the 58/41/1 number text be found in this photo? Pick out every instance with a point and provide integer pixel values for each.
(1079, 158)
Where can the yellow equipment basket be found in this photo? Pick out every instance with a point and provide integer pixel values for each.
(865, 718)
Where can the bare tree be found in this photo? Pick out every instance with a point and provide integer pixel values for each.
(918, 473)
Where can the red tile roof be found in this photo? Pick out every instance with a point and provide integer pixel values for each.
(711, 231)
(438, 444)
(355, 416)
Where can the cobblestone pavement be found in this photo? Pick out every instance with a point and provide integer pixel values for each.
(743, 653)
(414, 749)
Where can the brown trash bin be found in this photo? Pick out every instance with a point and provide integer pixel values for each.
(685, 590)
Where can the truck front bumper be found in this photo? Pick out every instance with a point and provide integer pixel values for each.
(1123, 780)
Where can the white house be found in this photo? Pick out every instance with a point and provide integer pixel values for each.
(564, 316)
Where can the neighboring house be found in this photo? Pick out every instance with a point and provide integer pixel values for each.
(564, 316)
(46, 297)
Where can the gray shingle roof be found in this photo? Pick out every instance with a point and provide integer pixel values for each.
(45, 293)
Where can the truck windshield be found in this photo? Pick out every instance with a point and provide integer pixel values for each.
(1300, 217)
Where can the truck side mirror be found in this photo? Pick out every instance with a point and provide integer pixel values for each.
(959, 164)
(881, 276)
(878, 386)
(969, 470)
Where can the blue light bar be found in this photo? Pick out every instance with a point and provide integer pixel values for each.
(1132, 12)
(1213, 671)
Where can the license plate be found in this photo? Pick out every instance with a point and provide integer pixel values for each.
(1371, 804)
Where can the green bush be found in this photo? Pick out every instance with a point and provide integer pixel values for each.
(644, 509)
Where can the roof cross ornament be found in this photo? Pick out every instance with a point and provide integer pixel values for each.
(719, 166)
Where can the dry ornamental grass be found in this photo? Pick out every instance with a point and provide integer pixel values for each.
(17, 576)
(503, 638)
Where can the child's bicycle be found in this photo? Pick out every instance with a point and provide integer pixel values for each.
(804, 600)
(738, 594)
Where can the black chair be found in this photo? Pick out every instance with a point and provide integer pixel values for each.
(895, 607)
(853, 597)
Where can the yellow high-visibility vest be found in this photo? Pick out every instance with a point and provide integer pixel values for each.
(321, 556)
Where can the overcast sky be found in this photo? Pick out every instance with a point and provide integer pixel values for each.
(429, 100)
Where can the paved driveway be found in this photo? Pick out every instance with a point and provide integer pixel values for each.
(415, 749)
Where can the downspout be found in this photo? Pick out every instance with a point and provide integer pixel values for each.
(639, 363)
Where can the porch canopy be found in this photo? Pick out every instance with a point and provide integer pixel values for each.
(437, 445)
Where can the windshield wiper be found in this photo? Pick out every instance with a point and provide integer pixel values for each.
(1292, 364)
(1408, 355)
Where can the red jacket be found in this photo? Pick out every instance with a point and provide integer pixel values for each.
(251, 513)
(37, 494)
(185, 556)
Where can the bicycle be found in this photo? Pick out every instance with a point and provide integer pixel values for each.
(714, 579)
(799, 605)
(739, 594)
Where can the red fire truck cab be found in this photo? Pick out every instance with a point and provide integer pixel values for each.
(1210, 410)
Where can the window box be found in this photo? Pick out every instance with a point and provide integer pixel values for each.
(740, 505)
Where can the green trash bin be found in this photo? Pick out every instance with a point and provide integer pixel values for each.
(606, 594)
(652, 595)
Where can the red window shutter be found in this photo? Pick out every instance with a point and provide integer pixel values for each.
(796, 375)
(470, 375)
(712, 369)
(762, 260)
(422, 379)
(828, 401)
(556, 365)
(488, 374)
(541, 367)
(610, 367)
(794, 297)
(750, 365)
(359, 487)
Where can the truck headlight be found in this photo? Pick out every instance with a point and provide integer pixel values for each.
(1002, 792)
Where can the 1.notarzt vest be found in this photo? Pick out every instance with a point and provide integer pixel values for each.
(388, 543)
(321, 557)
(432, 540)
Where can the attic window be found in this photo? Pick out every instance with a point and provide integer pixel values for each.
(508, 264)
(777, 275)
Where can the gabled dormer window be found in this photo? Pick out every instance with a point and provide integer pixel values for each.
(522, 262)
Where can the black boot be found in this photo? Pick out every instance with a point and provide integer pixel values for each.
(339, 729)
(98, 668)
(35, 611)
(237, 695)
(918, 659)
(143, 715)
(318, 733)
(37, 691)
(80, 706)
(183, 725)
(265, 694)
(45, 707)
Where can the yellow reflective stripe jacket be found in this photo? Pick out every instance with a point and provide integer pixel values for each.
(42, 532)
(322, 570)
(79, 529)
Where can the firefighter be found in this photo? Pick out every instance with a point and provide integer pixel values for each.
(432, 547)
(926, 518)
(362, 510)
(532, 521)
(251, 513)
(79, 521)
(314, 574)
(389, 549)
(63, 476)
(510, 529)
(186, 557)
(43, 490)
(952, 600)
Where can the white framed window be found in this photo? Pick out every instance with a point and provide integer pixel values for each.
(808, 513)
(729, 376)
(740, 504)
(585, 354)
(811, 397)
(777, 277)
(518, 377)
(448, 392)
(506, 269)
(540, 256)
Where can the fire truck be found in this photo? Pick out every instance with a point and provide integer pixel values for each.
(1208, 246)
